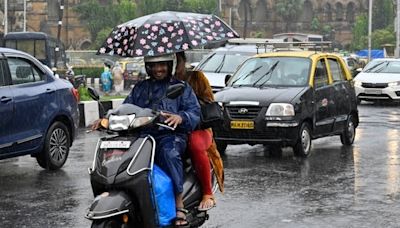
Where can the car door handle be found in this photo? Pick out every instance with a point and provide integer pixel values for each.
(50, 90)
(5, 99)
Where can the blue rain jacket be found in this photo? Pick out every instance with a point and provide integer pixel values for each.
(148, 92)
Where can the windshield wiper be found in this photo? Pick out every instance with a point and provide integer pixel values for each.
(382, 68)
(218, 69)
(370, 69)
(200, 67)
(267, 73)
(247, 75)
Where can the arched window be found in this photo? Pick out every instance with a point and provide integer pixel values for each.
(327, 12)
(53, 9)
(350, 12)
(339, 11)
(307, 14)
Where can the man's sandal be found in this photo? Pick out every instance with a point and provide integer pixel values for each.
(209, 206)
(181, 219)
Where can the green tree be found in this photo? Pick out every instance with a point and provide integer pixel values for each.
(383, 36)
(315, 24)
(289, 10)
(200, 6)
(98, 17)
(382, 14)
(145, 7)
(360, 33)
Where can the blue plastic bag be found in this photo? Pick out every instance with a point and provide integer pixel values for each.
(164, 196)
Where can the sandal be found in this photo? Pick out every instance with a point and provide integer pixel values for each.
(209, 205)
(181, 219)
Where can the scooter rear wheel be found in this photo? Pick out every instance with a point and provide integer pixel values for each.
(107, 223)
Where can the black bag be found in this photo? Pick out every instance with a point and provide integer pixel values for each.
(211, 115)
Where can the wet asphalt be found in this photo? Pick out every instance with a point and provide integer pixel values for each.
(337, 186)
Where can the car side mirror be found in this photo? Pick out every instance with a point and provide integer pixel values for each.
(175, 91)
(195, 64)
(93, 94)
(359, 70)
(227, 77)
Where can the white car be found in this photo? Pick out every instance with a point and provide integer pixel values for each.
(379, 80)
(224, 61)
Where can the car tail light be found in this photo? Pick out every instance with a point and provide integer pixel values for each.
(76, 94)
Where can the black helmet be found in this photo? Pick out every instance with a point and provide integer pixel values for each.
(171, 58)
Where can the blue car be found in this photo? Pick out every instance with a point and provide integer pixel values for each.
(38, 112)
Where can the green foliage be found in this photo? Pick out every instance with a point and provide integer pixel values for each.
(83, 93)
(383, 36)
(360, 33)
(97, 16)
(200, 6)
(382, 14)
(315, 24)
(90, 72)
(289, 10)
(145, 7)
(101, 37)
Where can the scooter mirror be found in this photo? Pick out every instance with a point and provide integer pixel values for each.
(227, 77)
(93, 94)
(175, 91)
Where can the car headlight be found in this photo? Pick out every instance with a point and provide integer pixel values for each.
(120, 123)
(142, 121)
(393, 84)
(357, 83)
(280, 109)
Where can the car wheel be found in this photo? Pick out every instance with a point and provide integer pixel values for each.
(221, 146)
(349, 133)
(56, 147)
(303, 145)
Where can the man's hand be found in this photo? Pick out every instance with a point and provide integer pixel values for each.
(173, 120)
(96, 125)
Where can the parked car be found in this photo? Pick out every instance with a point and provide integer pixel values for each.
(223, 61)
(287, 99)
(379, 81)
(39, 112)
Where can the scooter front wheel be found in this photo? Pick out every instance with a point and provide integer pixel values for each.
(108, 223)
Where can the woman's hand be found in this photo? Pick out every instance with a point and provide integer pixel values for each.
(173, 120)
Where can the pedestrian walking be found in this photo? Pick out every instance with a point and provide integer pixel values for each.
(106, 79)
(118, 78)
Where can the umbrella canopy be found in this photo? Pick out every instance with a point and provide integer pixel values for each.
(165, 32)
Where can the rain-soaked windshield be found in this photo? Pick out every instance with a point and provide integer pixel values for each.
(383, 66)
(277, 71)
(223, 62)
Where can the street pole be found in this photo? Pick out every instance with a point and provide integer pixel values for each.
(24, 15)
(397, 49)
(60, 17)
(369, 29)
(5, 17)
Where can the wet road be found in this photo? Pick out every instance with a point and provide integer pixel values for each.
(335, 187)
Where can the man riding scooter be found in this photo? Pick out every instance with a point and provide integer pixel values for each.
(182, 113)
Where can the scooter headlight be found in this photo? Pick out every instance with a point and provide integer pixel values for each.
(120, 123)
(142, 121)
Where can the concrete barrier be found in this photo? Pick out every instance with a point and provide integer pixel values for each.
(90, 110)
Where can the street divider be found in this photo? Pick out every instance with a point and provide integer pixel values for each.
(89, 111)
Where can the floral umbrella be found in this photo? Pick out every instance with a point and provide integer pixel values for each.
(165, 32)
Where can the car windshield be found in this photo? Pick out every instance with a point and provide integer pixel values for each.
(223, 62)
(277, 71)
(383, 66)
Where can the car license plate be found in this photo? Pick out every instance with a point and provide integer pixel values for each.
(242, 124)
(373, 91)
(115, 144)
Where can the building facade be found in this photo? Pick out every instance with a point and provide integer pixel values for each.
(334, 18)
(331, 18)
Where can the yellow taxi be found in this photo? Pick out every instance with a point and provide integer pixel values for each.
(287, 99)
